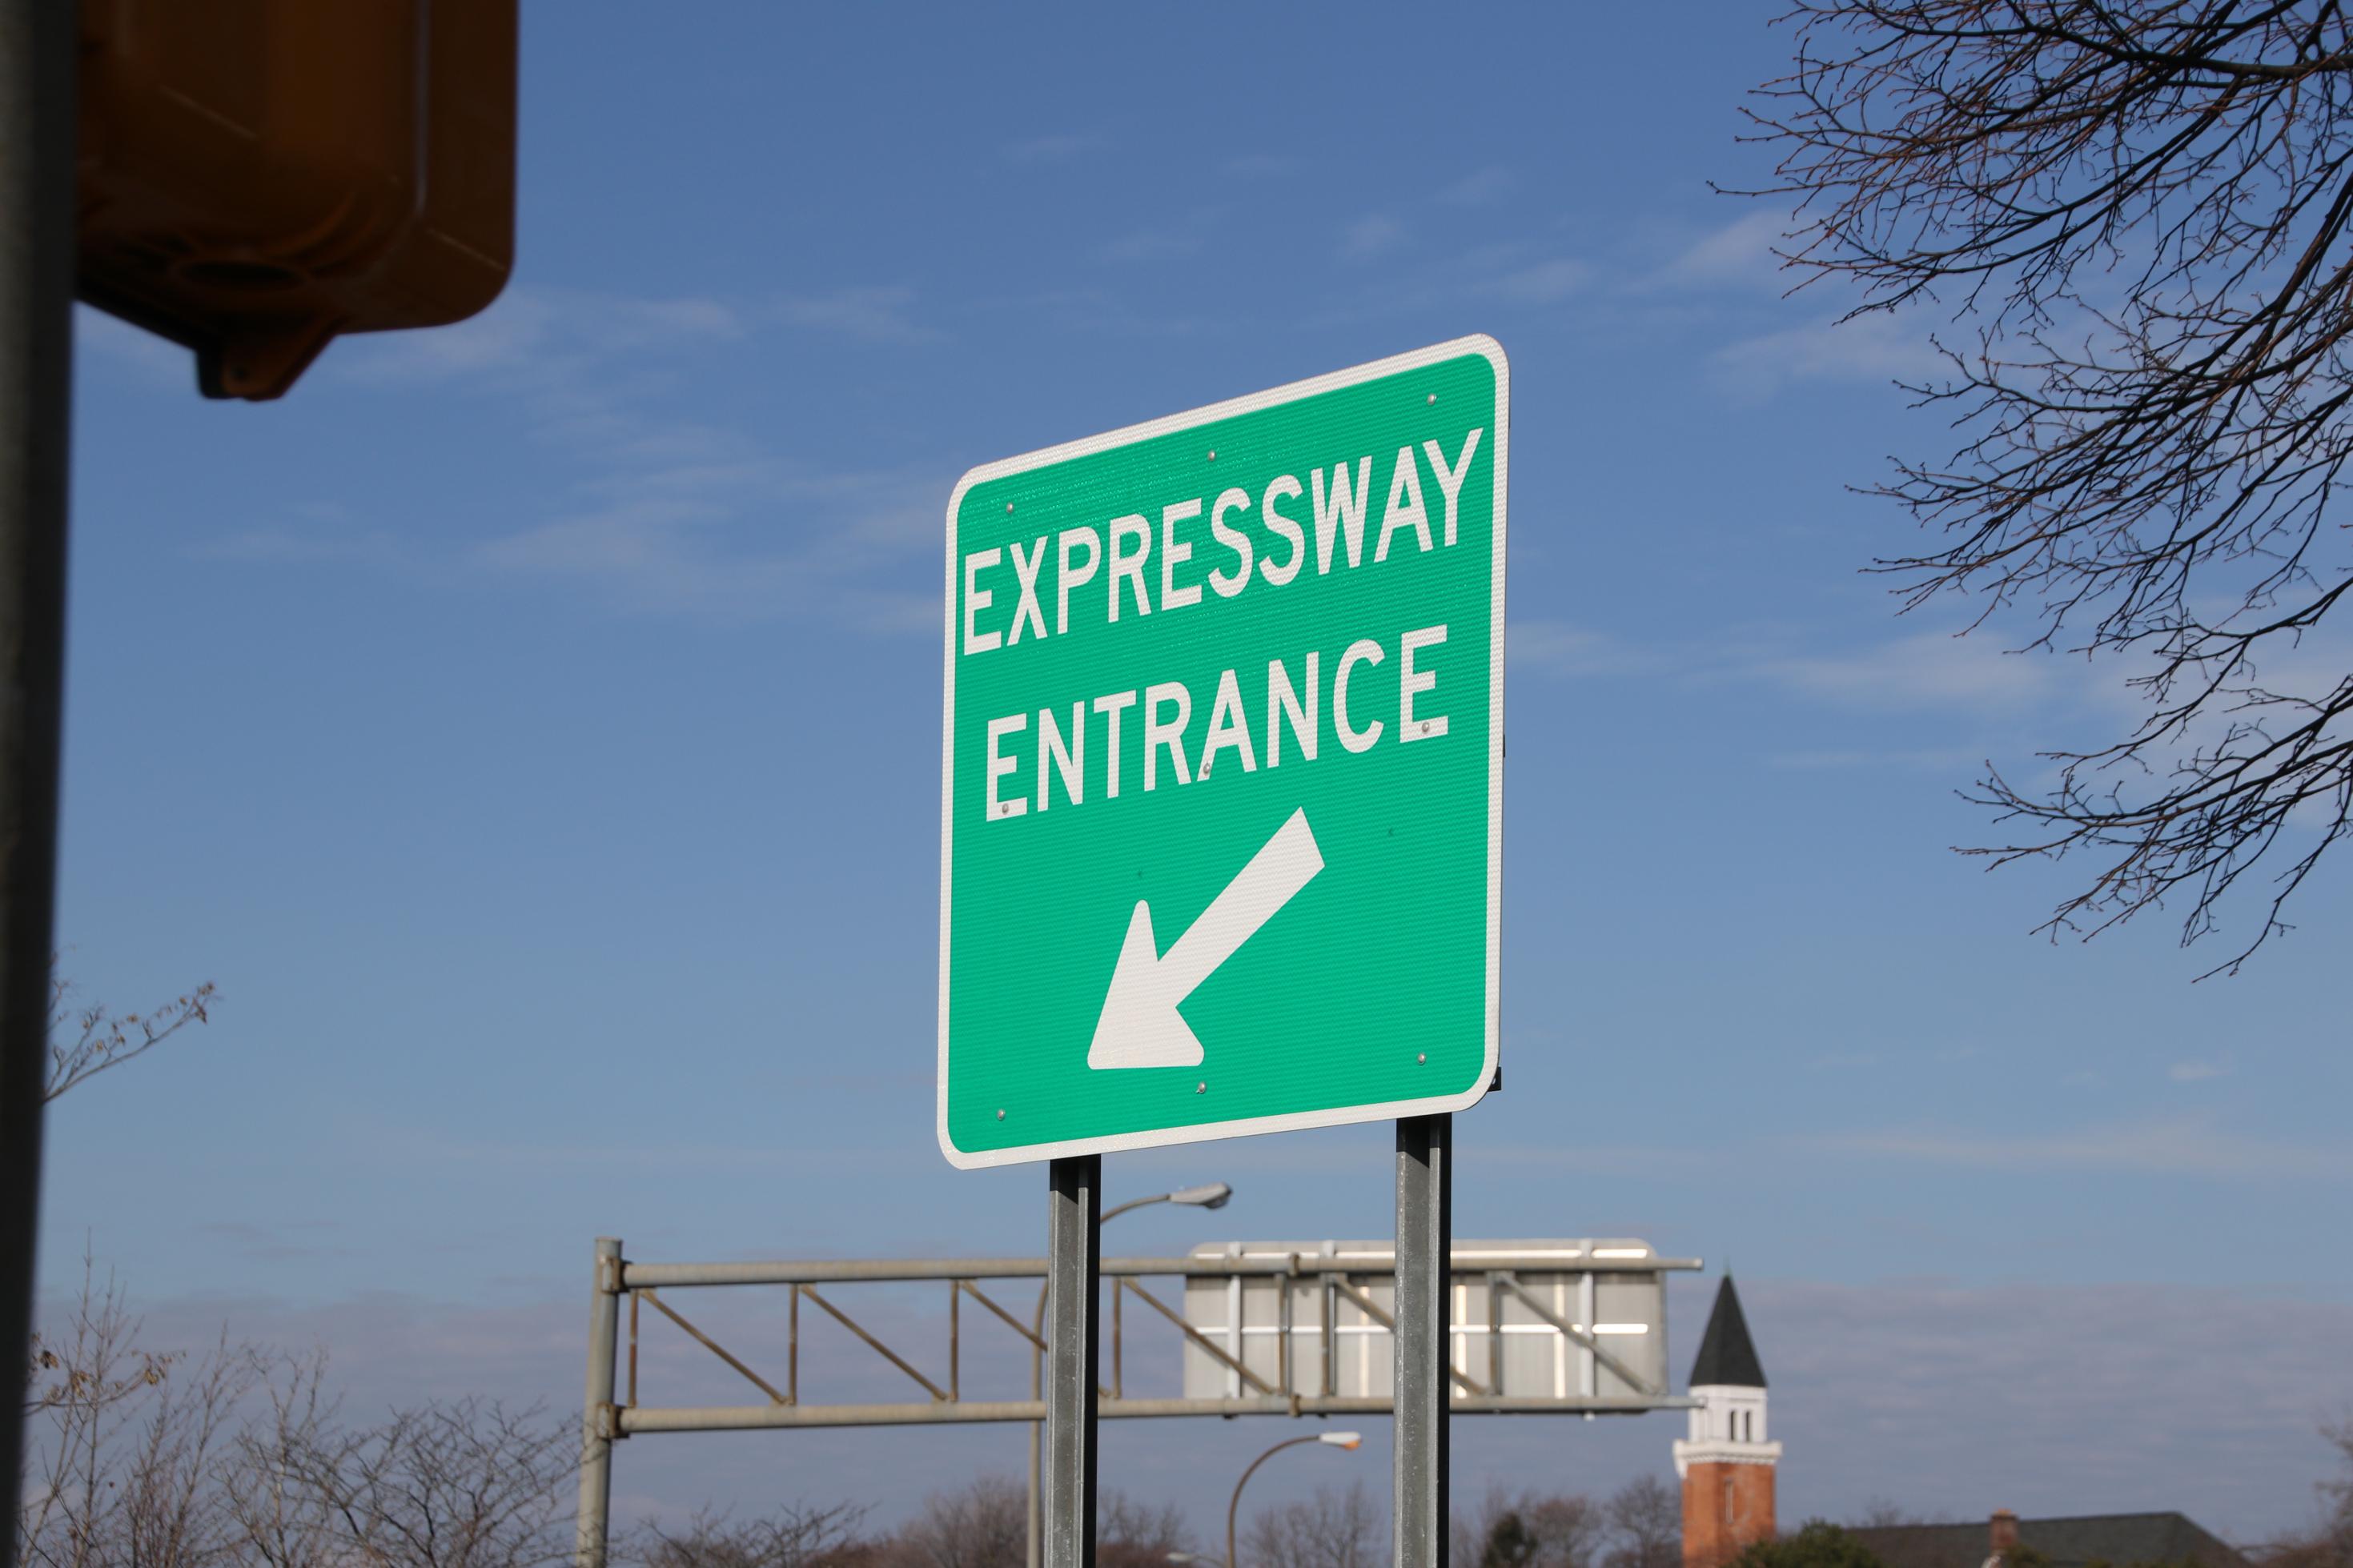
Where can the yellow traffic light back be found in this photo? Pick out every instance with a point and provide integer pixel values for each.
(258, 177)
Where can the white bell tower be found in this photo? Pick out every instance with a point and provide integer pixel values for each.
(1727, 1463)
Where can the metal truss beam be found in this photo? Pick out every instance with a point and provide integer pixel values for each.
(757, 1417)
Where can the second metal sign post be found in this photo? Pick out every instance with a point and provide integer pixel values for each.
(1425, 1243)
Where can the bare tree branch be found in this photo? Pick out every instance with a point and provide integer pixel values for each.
(87, 1041)
(2141, 216)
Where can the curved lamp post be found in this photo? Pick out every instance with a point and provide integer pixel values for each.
(1212, 1196)
(1233, 1510)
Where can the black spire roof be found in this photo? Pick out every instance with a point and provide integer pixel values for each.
(1726, 1354)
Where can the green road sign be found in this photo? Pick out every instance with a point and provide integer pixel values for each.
(1221, 769)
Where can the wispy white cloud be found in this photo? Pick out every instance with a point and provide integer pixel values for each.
(2184, 1148)
(1264, 166)
(658, 514)
(1166, 242)
(1374, 235)
(1451, 277)
(1925, 671)
(710, 544)
(1947, 1392)
(1882, 346)
(1542, 282)
(1938, 759)
(290, 544)
(1097, 312)
(1928, 669)
(1053, 149)
(550, 334)
(875, 314)
(1564, 650)
(1739, 255)
(2197, 1071)
(1479, 188)
(320, 531)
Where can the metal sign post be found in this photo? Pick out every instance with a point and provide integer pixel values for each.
(1425, 1242)
(1221, 807)
(1074, 1263)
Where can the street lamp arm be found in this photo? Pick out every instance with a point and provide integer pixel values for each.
(1212, 1196)
(1118, 1209)
(1234, 1509)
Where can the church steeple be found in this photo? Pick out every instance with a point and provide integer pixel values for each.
(1727, 1464)
(1727, 1356)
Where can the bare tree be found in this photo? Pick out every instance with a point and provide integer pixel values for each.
(794, 1536)
(464, 1485)
(174, 1510)
(128, 1470)
(222, 1461)
(1130, 1534)
(1646, 1525)
(986, 1525)
(1532, 1529)
(2141, 214)
(85, 1382)
(1333, 1530)
(284, 1519)
(87, 1040)
(2336, 1492)
(2329, 1543)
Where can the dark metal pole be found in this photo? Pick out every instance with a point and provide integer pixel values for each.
(1074, 1272)
(37, 286)
(1425, 1243)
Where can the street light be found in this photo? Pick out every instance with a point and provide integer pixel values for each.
(1348, 1440)
(1214, 1196)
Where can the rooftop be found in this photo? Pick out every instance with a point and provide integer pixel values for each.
(2119, 1540)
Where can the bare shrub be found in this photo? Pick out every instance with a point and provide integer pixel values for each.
(986, 1525)
(1130, 1534)
(1530, 1529)
(2329, 1543)
(122, 1456)
(1333, 1530)
(469, 1484)
(794, 1536)
(1646, 1525)
(225, 1460)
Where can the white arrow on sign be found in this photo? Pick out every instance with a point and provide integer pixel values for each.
(1140, 1026)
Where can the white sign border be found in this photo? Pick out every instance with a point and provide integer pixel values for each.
(1478, 344)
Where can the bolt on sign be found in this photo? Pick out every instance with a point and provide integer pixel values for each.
(1222, 768)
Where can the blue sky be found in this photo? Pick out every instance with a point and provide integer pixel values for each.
(532, 728)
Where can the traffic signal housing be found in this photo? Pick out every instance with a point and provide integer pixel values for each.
(258, 176)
